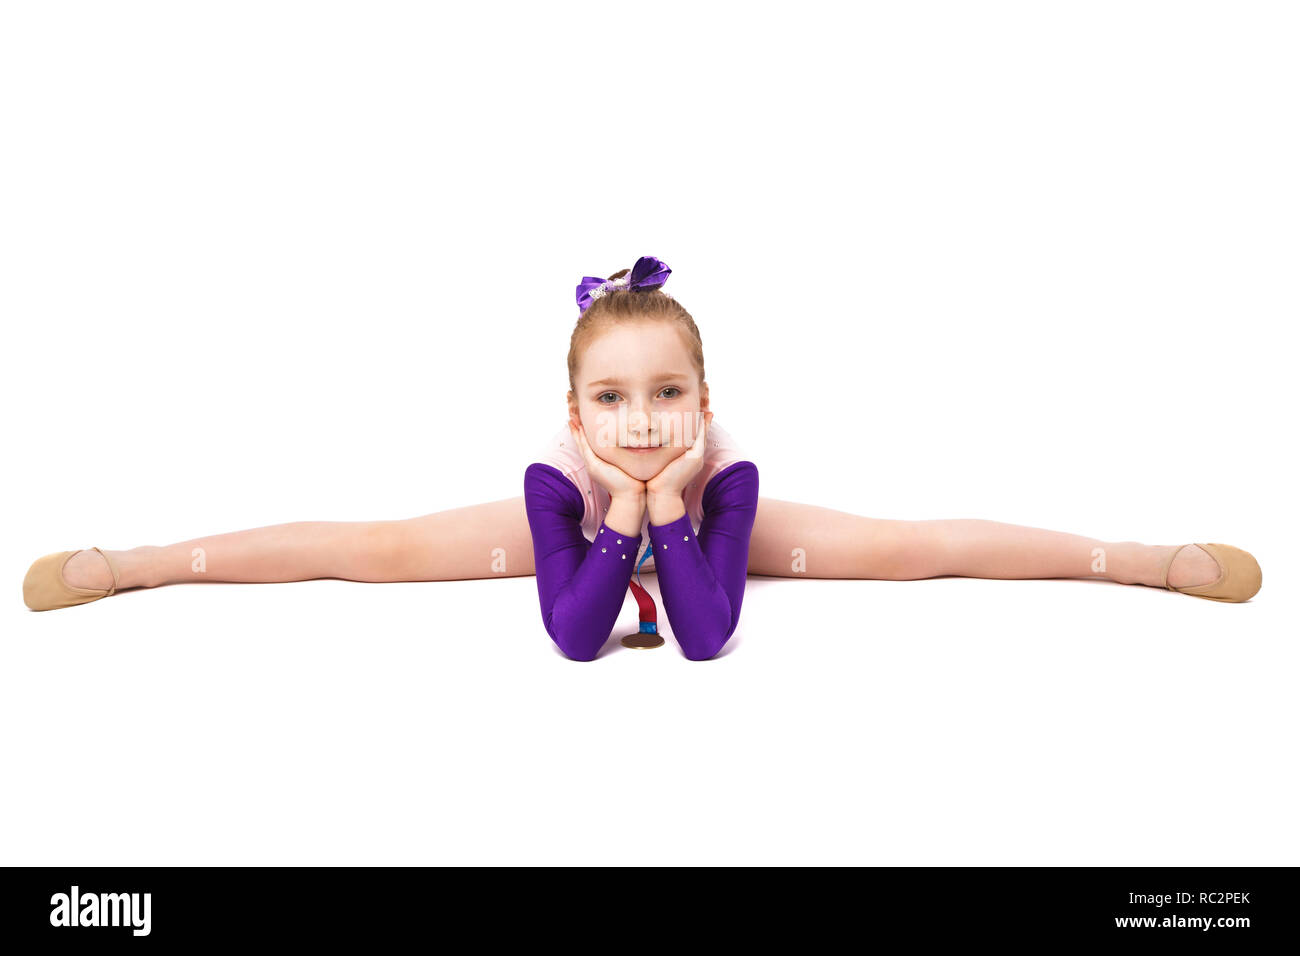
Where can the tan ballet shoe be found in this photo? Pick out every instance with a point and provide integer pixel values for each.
(44, 588)
(1239, 578)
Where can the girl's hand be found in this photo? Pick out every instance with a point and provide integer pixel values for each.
(613, 479)
(677, 474)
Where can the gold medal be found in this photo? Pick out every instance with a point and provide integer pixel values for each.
(643, 639)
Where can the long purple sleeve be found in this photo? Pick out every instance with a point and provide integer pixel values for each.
(702, 579)
(581, 584)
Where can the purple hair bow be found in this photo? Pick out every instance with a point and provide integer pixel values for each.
(648, 273)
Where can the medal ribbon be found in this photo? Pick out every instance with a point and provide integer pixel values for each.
(644, 601)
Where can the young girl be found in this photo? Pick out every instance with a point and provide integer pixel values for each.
(640, 463)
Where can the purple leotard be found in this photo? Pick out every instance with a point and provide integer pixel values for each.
(582, 584)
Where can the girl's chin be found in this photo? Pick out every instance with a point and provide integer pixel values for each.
(644, 459)
(640, 464)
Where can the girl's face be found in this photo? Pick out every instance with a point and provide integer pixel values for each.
(637, 386)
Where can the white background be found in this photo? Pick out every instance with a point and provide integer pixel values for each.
(1030, 262)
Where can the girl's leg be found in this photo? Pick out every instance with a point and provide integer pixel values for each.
(478, 541)
(798, 540)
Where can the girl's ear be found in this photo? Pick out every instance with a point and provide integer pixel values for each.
(704, 397)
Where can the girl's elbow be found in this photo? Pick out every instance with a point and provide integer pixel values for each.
(704, 649)
(576, 642)
(576, 650)
(706, 644)
(575, 646)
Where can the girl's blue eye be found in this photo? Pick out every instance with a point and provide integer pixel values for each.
(601, 397)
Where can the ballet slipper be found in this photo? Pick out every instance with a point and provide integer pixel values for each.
(44, 588)
(1239, 580)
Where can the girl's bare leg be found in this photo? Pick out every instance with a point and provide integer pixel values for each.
(478, 541)
(798, 540)
(493, 539)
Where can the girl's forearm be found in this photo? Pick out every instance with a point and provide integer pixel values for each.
(583, 610)
(665, 509)
(626, 513)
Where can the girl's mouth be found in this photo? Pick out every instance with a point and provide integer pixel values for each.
(641, 449)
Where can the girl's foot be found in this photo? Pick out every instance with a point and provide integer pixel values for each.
(88, 569)
(1192, 567)
(68, 578)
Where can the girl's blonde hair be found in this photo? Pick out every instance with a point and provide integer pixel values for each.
(631, 305)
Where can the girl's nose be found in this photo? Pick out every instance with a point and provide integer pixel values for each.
(640, 423)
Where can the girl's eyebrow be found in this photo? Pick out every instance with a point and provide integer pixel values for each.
(659, 376)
